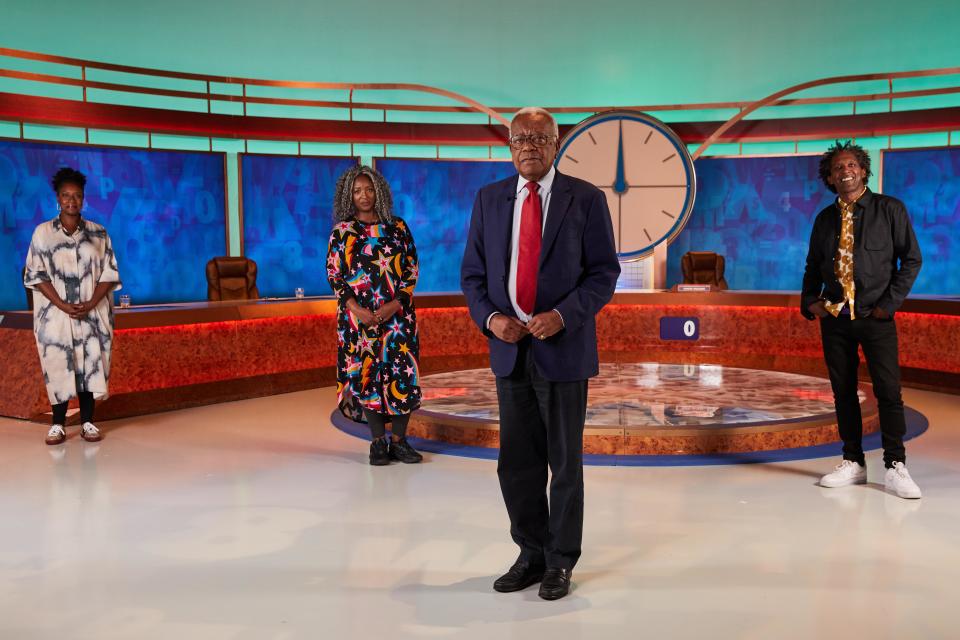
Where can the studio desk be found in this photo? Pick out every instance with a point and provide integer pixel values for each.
(175, 356)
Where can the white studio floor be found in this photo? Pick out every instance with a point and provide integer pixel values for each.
(257, 520)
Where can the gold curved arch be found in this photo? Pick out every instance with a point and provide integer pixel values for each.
(464, 103)
(291, 84)
(774, 97)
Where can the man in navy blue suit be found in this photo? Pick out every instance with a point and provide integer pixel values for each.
(539, 264)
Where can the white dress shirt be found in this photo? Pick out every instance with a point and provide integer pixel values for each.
(546, 187)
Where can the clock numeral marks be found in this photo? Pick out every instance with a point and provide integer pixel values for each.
(636, 224)
(656, 186)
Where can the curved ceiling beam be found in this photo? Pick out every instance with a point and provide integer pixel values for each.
(351, 86)
(383, 106)
(97, 115)
(773, 97)
(467, 105)
(94, 115)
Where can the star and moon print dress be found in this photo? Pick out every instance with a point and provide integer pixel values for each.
(74, 354)
(377, 367)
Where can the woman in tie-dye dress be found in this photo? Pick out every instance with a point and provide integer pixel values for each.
(72, 272)
(372, 268)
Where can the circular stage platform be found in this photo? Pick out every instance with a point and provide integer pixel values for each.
(657, 414)
(657, 409)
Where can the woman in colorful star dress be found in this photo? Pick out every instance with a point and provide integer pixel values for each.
(72, 271)
(372, 268)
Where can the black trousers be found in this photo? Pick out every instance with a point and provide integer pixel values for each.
(541, 427)
(878, 339)
(378, 423)
(86, 401)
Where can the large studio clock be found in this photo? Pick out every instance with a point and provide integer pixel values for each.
(643, 168)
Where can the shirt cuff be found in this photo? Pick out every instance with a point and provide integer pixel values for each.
(486, 324)
(564, 324)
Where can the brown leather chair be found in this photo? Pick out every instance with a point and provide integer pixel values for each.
(703, 267)
(232, 278)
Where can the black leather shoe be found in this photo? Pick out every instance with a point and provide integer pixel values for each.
(401, 451)
(379, 455)
(520, 576)
(555, 583)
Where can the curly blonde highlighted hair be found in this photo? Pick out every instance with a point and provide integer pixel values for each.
(343, 208)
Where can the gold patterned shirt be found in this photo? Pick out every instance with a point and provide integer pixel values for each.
(843, 261)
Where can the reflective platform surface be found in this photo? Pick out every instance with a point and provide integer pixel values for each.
(653, 395)
(654, 409)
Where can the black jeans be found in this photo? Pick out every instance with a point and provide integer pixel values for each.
(541, 427)
(878, 339)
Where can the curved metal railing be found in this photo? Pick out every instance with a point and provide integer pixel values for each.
(467, 104)
(212, 89)
(778, 97)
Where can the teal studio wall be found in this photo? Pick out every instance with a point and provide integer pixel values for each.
(500, 52)
(561, 52)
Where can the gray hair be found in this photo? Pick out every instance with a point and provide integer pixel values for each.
(537, 112)
(343, 208)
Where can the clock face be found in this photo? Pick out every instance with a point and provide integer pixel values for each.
(643, 168)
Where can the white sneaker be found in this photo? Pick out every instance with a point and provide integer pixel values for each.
(846, 473)
(898, 481)
(56, 435)
(90, 433)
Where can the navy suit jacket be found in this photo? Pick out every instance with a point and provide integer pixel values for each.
(578, 273)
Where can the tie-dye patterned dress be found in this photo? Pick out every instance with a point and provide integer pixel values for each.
(74, 354)
(377, 368)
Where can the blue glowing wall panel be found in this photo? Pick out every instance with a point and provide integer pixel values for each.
(757, 213)
(435, 197)
(164, 211)
(287, 219)
(928, 182)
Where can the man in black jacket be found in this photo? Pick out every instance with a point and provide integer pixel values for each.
(862, 261)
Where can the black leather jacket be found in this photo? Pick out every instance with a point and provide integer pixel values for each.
(882, 237)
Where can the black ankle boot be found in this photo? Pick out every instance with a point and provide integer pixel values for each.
(402, 451)
(379, 453)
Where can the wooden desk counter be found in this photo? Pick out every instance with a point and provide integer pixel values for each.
(175, 356)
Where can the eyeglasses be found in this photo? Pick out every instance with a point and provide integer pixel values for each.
(537, 140)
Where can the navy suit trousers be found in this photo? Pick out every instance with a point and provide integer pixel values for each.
(541, 428)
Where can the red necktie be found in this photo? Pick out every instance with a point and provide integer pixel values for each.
(528, 258)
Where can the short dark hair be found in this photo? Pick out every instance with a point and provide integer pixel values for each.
(863, 159)
(66, 175)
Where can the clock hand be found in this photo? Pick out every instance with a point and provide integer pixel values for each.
(620, 184)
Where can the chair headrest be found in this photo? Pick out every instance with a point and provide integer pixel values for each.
(703, 260)
(232, 267)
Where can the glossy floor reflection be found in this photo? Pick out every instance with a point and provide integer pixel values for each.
(650, 394)
(258, 520)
